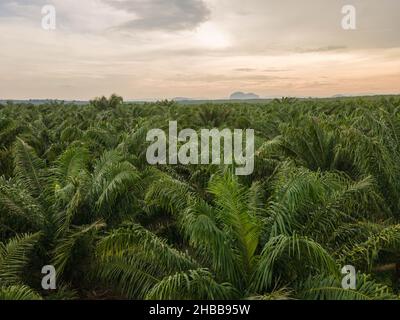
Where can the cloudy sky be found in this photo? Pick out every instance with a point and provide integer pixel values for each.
(153, 49)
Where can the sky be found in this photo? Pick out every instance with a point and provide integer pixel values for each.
(203, 49)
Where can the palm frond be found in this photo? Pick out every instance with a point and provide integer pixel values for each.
(64, 250)
(18, 292)
(283, 251)
(29, 168)
(196, 284)
(329, 288)
(14, 256)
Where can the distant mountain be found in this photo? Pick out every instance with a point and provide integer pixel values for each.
(44, 101)
(182, 99)
(243, 96)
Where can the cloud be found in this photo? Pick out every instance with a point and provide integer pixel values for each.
(197, 48)
(321, 49)
(73, 16)
(268, 70)
(244, 69)
(19, 8)
(284, 25)
(163, 15)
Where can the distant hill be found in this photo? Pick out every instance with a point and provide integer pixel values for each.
(243, 96)
(182, 99)
(44, 101)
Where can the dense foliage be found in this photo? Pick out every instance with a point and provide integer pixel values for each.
(76, 192)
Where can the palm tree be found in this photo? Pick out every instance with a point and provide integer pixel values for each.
(233, 246)
(65, 203)
(103, 103)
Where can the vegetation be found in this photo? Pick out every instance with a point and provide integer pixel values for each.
(77, 192)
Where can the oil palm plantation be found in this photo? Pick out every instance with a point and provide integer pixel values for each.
(77, 192)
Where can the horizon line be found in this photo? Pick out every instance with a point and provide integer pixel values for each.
(182, 99)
